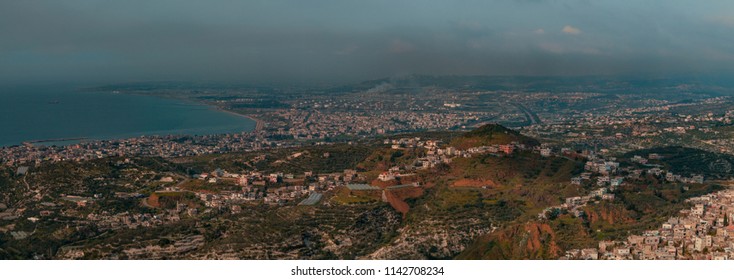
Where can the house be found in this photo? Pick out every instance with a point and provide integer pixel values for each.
(576, 181)
(22, 170)
(720, 256)
(635, 240)
(386, 176)
(697, 179)
(697, 210)
(350, 173)
(598, 192)
(274, 177)
(655, 171)
(259, 183)
(698, 244)
(242, 181)
(670, 177)
(573, 200)
(616, 181)
(604, 245)
(639, 159)
(507, 149)
(589, 254)
(652, 240)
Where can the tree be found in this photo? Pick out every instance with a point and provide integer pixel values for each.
(553, 214)
(726, 220)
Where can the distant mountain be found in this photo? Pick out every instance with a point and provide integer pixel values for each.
(609, 84)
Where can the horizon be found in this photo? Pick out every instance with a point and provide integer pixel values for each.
(710, 78)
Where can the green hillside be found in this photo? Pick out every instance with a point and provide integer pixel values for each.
(491, 134)
(689, 161)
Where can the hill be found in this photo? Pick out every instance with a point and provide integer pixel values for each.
(638, 207)
(483, 206)
(689, 161)
(491, 134)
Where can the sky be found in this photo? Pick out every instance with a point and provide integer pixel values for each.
(343, 40)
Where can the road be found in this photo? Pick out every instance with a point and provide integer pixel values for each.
(530, 115)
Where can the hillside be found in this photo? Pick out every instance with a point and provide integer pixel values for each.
(637, 208)
(470, 197)
(473, 206)
(491, 134)
(689, 161)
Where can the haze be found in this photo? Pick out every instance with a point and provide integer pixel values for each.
(337, 41)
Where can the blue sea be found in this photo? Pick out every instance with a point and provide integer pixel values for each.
(43, 113)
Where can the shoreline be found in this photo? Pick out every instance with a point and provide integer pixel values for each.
(56, 140)
(258, 126)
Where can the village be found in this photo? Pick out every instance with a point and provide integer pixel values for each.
(703, 232)
(606, 175)
(280, 189)
(700, 233)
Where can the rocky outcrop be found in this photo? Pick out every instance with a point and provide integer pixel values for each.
(608, 213)
(532, 240)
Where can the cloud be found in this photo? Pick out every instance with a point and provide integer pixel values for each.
(552, 48)
(400, 46)
(557, 48)
(727, 21)
(571, 30)
(347, 50)
(293, 41)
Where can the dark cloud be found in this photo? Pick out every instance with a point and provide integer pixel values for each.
(302, 41)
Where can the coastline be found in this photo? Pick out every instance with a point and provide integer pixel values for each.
(243, 127)
(259, 124)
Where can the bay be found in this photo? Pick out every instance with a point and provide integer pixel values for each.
(35, 113)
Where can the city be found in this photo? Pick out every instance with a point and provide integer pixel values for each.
(280, 139)
(328, 154)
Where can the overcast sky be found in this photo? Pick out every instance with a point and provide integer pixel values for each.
(342, 40)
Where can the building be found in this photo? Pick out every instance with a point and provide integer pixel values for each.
(242, 181)
(507, 149)
(22, 170)
(386, 176)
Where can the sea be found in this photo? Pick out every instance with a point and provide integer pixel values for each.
(60, 115)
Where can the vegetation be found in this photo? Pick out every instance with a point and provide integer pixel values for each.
(689, 161)
(451, 215)
(491, 134)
